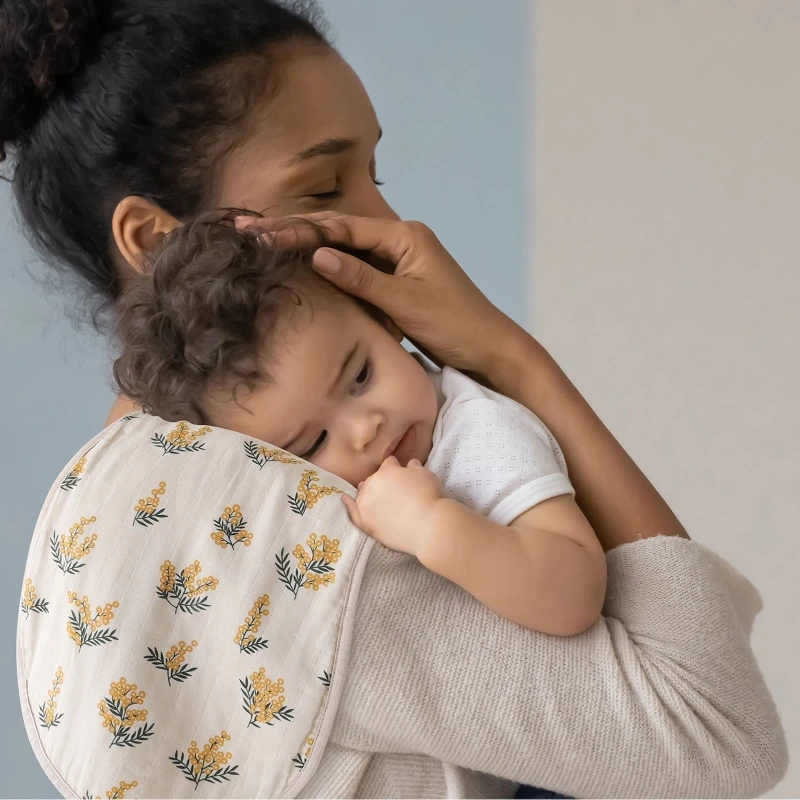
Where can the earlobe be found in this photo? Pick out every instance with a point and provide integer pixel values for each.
(138, 226)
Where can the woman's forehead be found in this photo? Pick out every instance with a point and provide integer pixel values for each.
(319, 95)
(320, 100)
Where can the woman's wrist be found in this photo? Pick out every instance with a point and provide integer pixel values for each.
(512, 357)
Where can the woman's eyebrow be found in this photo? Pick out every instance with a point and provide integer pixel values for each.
(329, 147)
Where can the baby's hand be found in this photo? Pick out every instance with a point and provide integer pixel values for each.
(393, 503)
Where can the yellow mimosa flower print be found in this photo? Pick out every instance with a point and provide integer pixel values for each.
(260, 455)
(208, 764)
(47, 710)
(313, 569)
(147, 511)
(181, 439)
(245, 635)
(264, 700)
(172, 662)
(72, 478)
(309, 493)
(180, 589)
(114, 792)
(30, 602)
(86, 629)
(230, 529)
(119, 715)
(300, 760)
(67, 550)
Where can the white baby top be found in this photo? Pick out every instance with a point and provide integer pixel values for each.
(492, 454)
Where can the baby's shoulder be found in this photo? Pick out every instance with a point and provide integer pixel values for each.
(460, 390)
(466, 402)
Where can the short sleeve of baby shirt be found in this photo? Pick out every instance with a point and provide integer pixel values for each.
(492, 453)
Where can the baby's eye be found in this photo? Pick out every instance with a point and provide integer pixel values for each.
(363, 377)
(315, 447)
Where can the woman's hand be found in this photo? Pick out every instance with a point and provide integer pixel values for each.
(429, 296)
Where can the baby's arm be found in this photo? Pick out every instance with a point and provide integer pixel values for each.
(545, 571)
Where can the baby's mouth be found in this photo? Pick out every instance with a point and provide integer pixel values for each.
(404, 449)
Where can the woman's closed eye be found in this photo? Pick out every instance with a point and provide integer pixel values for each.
(359, 382)
(334, 194)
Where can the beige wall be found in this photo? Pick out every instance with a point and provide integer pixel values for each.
(666, 268)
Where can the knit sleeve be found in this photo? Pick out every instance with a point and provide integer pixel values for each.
(662, 697)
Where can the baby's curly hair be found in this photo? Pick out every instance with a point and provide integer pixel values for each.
(203, 315)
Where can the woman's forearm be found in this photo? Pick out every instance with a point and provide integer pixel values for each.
(662, 698)
(617, 498)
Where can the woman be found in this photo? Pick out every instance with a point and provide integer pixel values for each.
(124, 118)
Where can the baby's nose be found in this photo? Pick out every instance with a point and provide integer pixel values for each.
(365, 433)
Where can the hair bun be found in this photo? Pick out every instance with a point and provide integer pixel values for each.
(41, 42)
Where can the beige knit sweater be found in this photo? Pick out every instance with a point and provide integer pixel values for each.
(661, 698)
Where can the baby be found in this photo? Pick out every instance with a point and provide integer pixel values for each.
(230, 328)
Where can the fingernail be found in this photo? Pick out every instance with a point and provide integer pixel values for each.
(326, 261)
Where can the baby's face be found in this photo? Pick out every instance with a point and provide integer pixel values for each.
(345, 392)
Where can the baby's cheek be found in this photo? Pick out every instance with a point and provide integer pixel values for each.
(345, 471)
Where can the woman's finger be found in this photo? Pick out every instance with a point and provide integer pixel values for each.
(387, 239)
(353, 275)
(270, 223)
(288, 232)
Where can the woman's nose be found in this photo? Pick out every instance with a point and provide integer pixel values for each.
(372, 203)
(383, 210)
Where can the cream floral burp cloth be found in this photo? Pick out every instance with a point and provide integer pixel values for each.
(186, 615)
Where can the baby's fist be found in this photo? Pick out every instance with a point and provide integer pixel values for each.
(393, 503)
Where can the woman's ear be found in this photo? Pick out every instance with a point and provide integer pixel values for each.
(138, 226)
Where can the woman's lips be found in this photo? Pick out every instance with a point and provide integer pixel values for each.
(404, 451)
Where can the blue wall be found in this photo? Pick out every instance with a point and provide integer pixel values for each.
(448, 80)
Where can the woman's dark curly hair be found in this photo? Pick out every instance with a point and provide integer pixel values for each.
(100, 99)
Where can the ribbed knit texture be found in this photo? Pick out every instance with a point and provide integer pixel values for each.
(661, 698)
